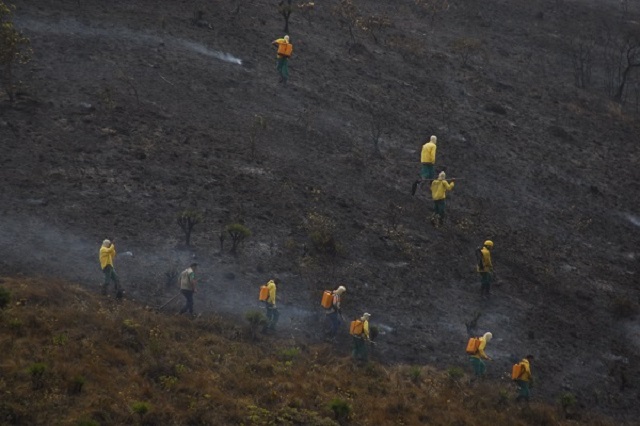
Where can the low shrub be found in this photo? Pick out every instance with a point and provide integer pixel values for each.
(341, 409)
(5, 297)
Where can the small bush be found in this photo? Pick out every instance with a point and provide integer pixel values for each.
(466, 48)
(321, 232)
(87, 423)
(168, 382)
(15, 324)
(256, 320)
(455, 373)
(238, 233)
(5, 297)
(289, 354)
(415, 373)
(186, 220)
(141, 408)
(567, 400)
(37, 371)
(60, 339)
(341, 409)
(76, 385)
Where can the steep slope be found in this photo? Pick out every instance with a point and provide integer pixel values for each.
(129, 114)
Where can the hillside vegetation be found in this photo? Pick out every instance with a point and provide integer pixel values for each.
(73, 358)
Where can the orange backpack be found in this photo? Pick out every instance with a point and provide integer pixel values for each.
(327, 299)
(264, 293)
(516, 371)
(356, 328)
(473, 345)
(285, 49)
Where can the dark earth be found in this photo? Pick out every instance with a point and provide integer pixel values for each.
(133, 111)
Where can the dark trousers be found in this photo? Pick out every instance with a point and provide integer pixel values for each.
(485, 281)
(110, 275)
(359, 351)
(523, 390)
(427, 171)
(188, 295)
(438, 208)
(334, 323)
(272, 316)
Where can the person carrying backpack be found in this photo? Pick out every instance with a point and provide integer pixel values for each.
(272, 311)
(334, 312)
(360, 335)
(285, 49)
(477, 359)
(188, 286)
(524, 378)
(485, 268)
(439, 190)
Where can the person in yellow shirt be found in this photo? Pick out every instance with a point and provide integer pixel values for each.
(439, 188)
(285, 50)
(360, 337)
(428, 160)
(485, 268)
(477, 359)
(107, 254)
(525, 379)
(272, 310)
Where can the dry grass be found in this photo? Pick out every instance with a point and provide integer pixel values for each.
(76, 357)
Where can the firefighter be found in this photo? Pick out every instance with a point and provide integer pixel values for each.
(285, 49)
(334, 313)
(107, 254)
(428, 159)
(439, 188)
(188, 286)
(525, 379)
(485, 268)
(272, 311)
(477, 359)
(360, 337)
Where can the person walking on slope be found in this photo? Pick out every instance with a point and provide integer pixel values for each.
(485, 268)
(428, 160)
(477, 359)
(272, 310)
(524, 379)
(285, 49)
(334, 313)
(107, 254)
(439, 188)
(360, 336)
(188, 286)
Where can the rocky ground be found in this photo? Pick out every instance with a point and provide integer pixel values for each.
(131, 112)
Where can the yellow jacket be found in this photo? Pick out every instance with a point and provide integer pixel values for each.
(486, 260)
(525, 375)
(480, 353)
(365, 329)
(428, 154)
(271, 286)
(439, 189)
(106, 256)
